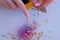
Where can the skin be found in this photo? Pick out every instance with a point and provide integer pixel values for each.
(18, 4)
(14, 5)
(42, 3)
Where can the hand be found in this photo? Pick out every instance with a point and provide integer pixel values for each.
(14, 5)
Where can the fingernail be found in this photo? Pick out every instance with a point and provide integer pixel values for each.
(28, 16)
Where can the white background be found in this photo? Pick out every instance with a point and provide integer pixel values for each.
(11, 20)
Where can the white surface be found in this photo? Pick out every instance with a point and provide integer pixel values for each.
(11, 20)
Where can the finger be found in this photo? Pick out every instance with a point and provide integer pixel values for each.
(12, 4)
(21, 5)
(4, 3)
